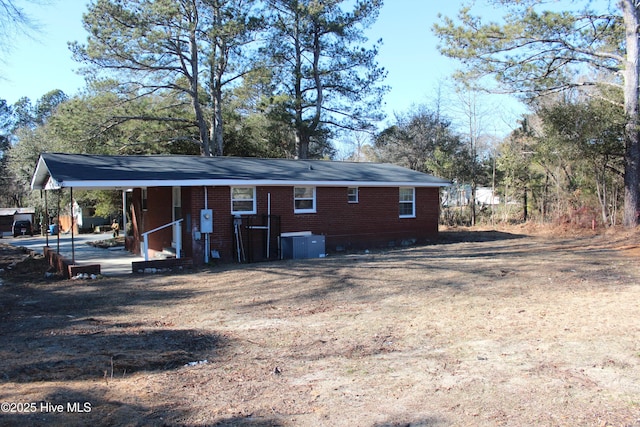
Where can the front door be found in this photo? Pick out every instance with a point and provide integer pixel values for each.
(176, 215)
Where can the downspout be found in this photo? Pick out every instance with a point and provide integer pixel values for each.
(206, 238)
(58, 215)
(46, 212)
(268, 226)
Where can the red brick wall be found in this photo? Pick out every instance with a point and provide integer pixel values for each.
(219, 201)
(158, 213)
(372, 222)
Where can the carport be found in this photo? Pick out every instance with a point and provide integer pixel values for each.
(64, 256)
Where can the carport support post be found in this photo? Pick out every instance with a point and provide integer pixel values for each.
(46, 215)
(59, 191)
(124, 213)
(73, 247)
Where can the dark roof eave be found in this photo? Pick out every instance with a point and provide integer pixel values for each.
(55, 170)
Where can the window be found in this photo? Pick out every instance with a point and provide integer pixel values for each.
(243, 200)
(352, 194)
(304, 199)
(407, 203)
(145, 197)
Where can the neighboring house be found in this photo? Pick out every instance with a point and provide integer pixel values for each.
(485, 196)
(456, 195)
(460, 195)
(239, 208)
(9, 215)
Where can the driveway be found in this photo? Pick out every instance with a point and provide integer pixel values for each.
(113, 262)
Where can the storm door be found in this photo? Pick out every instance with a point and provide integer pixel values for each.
(176, 214)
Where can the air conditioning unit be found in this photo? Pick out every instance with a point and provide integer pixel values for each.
(302, 246)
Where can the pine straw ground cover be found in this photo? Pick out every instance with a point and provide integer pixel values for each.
(482, 328)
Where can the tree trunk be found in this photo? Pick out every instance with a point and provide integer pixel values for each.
(525, 207)
(632, 135)
(218, 141)
(473, 203)
(218, 64)
(205, 146)
(203, 128)
(601, 191)
(302, 143)
(545, 198)
(216, 138)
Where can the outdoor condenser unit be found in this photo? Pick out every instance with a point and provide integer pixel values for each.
(298, 247)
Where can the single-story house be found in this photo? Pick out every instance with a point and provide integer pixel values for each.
(242, 208)
(9, 215)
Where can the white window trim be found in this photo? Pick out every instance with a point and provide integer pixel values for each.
(413, 202)
(357, 200)
(253, 211)
(300, 211)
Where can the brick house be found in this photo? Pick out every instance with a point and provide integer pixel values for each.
(241, 208)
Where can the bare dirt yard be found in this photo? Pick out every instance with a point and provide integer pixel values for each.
(481, 328)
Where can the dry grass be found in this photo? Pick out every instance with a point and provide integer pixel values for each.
(484, 328)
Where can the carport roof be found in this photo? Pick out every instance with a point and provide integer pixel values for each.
(55, 170)
(14, 211)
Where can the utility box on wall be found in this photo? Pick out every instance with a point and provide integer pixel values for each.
(299, 247)
(206, 221)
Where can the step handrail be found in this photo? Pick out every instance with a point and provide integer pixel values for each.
(145, 238)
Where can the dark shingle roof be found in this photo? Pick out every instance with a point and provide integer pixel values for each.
(98, 171)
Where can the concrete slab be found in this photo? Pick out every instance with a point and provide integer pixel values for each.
(113, 262)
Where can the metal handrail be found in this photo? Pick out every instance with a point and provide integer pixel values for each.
(145, 237)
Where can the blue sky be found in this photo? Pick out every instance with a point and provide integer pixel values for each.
(409, 53)
(42, 63)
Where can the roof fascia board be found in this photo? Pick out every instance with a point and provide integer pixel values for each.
(235, 183)
(39, 173)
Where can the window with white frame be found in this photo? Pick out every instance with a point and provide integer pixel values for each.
(407, 202)
(352, 194)
(243, 200)
(304, 199)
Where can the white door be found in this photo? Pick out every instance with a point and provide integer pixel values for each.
(176, 214)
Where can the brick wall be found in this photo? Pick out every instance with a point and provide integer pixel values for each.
(218, 200)
(158, 213)
(64, 266)
(372, 222)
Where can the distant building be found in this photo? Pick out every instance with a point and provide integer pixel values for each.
(460, 195)
(8, 215)
(486, 196)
